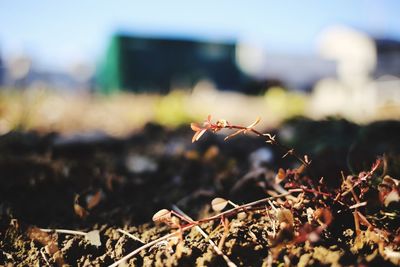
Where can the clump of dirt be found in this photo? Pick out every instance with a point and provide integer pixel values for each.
(50, 183)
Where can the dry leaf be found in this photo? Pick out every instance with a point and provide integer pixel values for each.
(163, 215)
(195, 127)
(393, 196)
(93, 237)
(36, 234)
(219, 203)
(389, 190)
(285, 216)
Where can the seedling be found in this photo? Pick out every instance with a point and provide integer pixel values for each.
(170, 218)
(301, 192)
(245, 207)
(205, 235)
(224, 124)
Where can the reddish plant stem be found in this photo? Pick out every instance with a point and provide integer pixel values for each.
(285, 149)
(244, 207)
(316, 192)
(192, 224)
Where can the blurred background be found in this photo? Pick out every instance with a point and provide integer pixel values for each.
(111, 67)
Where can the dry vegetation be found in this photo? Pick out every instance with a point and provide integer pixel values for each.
(219, 201)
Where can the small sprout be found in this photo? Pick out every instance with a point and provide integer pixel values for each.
(219, 203)
(285, 216)
(286, 226)
(223, 124)
(163, 215)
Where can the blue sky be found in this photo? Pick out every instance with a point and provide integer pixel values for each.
(59, 32)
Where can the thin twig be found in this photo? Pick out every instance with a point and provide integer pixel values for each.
(272, 140)
(150, 244)
(44, 256)
(64, 231)
(130, 235)
(272, 223)
(223, 124)
(361, 204)
(245, 206)
(195, 223)
(364, 178)
(206, 236)
(221, 242)
(356, 223)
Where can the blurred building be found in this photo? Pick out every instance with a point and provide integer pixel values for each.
(158, 64)
(1, 72)
(348, 60)
(367, 73)
(140, 64)
(298, 72)
(18, 70)
(21, 72)
(388, 62)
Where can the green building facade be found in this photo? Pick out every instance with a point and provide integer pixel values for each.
(157, 65)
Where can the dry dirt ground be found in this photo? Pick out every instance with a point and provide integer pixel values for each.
(109, 187)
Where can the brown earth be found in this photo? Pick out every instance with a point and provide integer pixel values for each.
(100, 183)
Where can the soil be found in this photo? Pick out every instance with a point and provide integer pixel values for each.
(96, 182)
